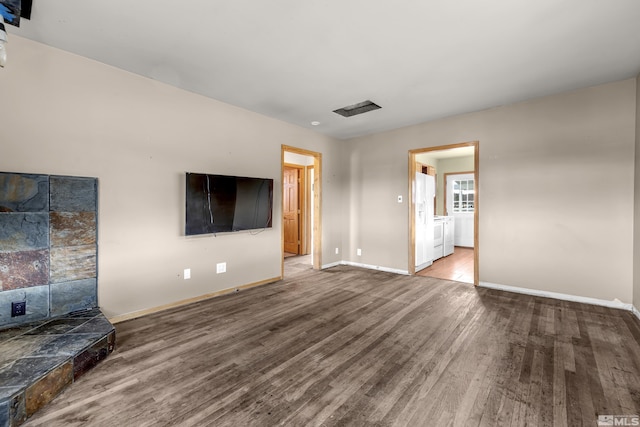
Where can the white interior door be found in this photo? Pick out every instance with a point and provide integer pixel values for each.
(461, 191)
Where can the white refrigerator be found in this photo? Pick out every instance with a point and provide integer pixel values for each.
(425, 193)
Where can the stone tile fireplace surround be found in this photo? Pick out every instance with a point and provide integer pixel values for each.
(48, 260)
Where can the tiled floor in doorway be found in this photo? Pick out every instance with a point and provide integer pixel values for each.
(458, 266)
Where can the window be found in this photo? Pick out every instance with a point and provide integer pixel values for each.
(463, 195)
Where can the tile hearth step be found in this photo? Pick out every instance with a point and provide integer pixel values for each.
(38, 360)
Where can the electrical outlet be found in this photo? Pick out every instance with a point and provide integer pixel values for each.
(337, 251)
(187, 274)
(399, 199)
(221, 267)
(18, 308)
(359, 252)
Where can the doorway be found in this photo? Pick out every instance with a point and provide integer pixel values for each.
(455, 259)
(301, 207)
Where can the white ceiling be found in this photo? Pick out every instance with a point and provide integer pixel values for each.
(299, 60)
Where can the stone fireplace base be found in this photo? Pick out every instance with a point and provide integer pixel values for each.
(38, 360)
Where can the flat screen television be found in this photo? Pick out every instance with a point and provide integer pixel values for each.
(222, 203)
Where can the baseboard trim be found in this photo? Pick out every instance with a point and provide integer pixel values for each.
(333, 264)
(560, 296)
(635, 311)
(375, 267)
(152, 310)
(368, 266)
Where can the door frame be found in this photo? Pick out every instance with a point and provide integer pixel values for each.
(308, 248)
(317, 204)
(476, 213)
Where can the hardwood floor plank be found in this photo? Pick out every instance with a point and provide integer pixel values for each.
(458, 266)
(349, 346)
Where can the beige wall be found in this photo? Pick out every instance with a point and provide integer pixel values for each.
(636, 228)
(63, 114)
(556, 180)
(556, 191)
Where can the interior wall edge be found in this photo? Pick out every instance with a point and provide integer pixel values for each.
(636, 204)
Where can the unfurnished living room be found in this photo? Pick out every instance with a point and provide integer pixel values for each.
(354, 213)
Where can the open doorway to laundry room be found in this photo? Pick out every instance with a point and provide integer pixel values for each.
(301, 213)
(443, 211)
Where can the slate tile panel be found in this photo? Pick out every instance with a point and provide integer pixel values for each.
(6, 392)
(23, 372)
(24, 269)
(72, 194)
(24, 231)
(5, 415)
(73, 228)
(10, 398)
(73, 296)
(73, 263)
(48, 245)
(24, 192)
(89, 358)
(99, 325)
(37, 298)
(7, 334)
(57, 327)
(66, 345)
(17, 410)
(48, 387)
(21, 346)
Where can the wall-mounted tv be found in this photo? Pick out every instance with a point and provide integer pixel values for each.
(222, 203)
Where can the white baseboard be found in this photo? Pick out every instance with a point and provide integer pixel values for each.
(635, 311)
(564, 297)
(333, 264)
(368, 266)
(375, 267)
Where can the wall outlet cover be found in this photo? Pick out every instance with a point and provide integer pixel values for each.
(187, 273)
(18, 308)
(221, 267)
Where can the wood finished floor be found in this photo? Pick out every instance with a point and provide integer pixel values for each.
(355, 347)
(458, 266)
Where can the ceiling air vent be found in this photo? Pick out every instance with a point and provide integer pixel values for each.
(355, 109)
